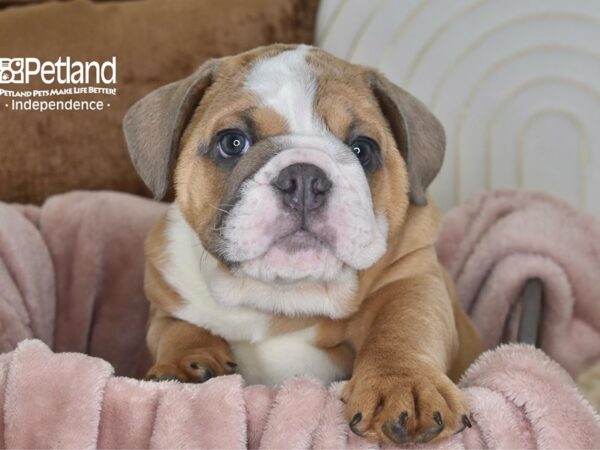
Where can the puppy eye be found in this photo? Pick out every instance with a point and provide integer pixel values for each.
(364, 148)
(232, 143)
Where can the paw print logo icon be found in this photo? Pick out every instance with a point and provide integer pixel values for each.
(11, 70)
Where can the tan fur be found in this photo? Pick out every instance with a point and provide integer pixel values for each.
(268, 122)
(157, 289)
(184, 351)
(199, 184)
(409, 336)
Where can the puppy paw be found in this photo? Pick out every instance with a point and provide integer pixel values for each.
(416, 406)
(196, 366)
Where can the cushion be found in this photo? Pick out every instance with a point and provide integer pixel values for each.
(154, 41)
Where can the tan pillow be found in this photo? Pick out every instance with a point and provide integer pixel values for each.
(155, 42)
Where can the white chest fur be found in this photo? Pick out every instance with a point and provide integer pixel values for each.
(282, 357)
(260, 358)
(188, 270)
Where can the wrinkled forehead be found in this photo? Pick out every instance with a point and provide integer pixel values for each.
(293, 90)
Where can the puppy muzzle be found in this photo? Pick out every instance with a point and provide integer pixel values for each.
(305, 213)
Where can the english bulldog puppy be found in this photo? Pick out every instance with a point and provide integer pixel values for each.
(301, 241)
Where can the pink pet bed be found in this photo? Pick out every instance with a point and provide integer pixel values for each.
(71, 280)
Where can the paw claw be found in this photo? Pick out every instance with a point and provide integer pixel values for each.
(397, 431)
(466, 422)
(357, 418)
(202, 373)
(431, 432)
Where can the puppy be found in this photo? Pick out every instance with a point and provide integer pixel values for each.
(302, 239)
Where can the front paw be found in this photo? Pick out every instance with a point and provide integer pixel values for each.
(412, 406)
(195, 366)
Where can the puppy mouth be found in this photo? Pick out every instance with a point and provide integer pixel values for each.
(298, 255)
(300, 240)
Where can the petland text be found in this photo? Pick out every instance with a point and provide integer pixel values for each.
(61, 71)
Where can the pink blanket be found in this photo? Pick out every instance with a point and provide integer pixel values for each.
(496, 241)
(519, 399)
(71, 276)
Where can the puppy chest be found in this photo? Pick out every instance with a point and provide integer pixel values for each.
(276, 359)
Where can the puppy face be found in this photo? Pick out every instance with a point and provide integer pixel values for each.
(292, 166)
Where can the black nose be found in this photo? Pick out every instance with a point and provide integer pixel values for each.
(303, 187)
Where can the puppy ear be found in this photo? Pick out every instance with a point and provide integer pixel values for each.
(153, 126)
(419, 135)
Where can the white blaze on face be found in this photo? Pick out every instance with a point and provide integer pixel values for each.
(287, 84)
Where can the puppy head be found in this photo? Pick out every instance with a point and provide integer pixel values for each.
(291, 165)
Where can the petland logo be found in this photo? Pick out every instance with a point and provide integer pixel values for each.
(61, 71)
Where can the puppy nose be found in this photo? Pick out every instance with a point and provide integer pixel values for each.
(303, 187)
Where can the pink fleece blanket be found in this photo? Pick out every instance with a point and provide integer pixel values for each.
(519, 399)
(499, 239)
(71, 275)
